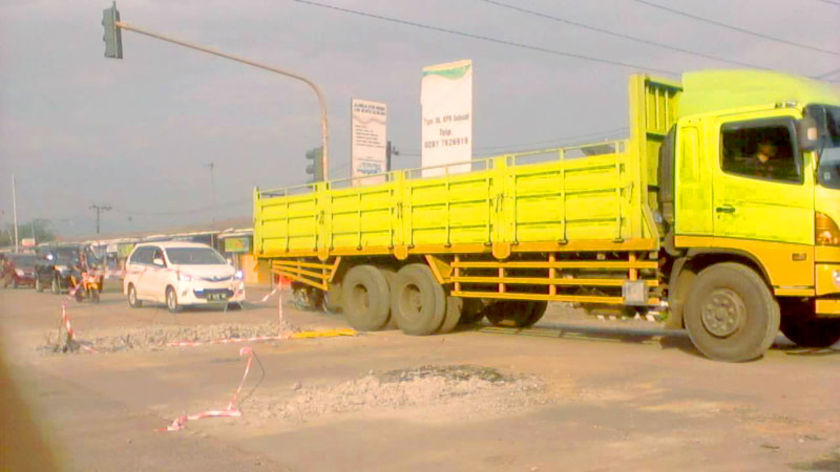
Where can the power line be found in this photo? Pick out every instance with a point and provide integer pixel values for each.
(231, 203)
(736, 28)
(619, 35)
(828, 74)
(486, 38)
(831, 2)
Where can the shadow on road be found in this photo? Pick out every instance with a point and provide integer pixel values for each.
(665, 338)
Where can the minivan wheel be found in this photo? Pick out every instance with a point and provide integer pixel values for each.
(133, 302)
(172, 300)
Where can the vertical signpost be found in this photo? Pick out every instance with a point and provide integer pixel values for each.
(368, 141)
(446, 108)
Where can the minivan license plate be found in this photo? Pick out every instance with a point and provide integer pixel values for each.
(215, 296)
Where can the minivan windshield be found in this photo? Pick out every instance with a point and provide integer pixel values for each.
(828, 121)
(194, 256)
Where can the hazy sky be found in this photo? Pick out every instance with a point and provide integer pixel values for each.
(77, 128)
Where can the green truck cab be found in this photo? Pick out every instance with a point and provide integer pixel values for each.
(721, 210)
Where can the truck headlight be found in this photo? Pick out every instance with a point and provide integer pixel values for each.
(827, 233)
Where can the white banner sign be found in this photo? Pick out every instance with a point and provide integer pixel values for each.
(446, 108)
(369, 139)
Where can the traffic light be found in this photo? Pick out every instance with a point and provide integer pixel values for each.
(112, 35)
(316, 168)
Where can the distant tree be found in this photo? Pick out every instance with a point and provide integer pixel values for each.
(39, 228)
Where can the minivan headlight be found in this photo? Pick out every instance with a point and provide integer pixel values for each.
(184, 277)
(238, 275)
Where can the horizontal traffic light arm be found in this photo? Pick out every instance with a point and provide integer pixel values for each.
(321, 100)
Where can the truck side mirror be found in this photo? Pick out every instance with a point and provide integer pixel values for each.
(807, 134)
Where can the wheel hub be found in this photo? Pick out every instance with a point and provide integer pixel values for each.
(723, 312)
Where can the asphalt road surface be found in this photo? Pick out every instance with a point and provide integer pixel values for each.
(573, 394)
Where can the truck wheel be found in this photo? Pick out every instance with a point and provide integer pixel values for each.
(418, 301)
(391, 277)
(496, 312)
(331, 302)
(366, 298)
(172, 300)
(55, 286)
(454, 308)
(472, 312)
(811, 332)
(133, 301)
(38, 286)
(536, 312)
(731, 314)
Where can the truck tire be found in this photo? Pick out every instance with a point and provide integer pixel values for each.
(454, 308)
(472, 312)
(365, 298)
(731, 314)
(537, 311)
(418, 301)
(496, 312)
(391, 277)
(331, 302)
(811, 332)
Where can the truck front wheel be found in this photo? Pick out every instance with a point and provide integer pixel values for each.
(731, 314)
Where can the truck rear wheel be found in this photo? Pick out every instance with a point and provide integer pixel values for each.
(536, 313)
(811, 332)
(472, 312)
(454, 308)
(731, 314)
(366, 298)
(418, 301)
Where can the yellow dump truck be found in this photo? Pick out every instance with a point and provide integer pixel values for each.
(721, 211)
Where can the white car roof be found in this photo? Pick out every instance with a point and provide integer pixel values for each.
(169, 244)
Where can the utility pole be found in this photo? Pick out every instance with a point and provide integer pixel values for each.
(14, 210)
(211, 165)
(99, 209)
(113, 49)
(390, 151)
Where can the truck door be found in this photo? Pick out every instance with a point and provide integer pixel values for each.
(763, 190)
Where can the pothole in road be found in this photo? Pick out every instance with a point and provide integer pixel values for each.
(161, 336)
(469, 389)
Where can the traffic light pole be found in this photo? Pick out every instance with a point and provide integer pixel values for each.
(321, 101)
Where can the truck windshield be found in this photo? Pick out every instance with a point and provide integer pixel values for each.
(194, 255)
(828, 120)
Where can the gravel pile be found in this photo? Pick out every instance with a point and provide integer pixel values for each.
(472, 388)
(160, 336)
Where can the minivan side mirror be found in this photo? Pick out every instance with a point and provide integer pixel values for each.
(157, 261)
(807, 134)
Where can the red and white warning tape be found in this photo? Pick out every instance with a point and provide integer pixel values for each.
(71, 340)
(231, 411)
